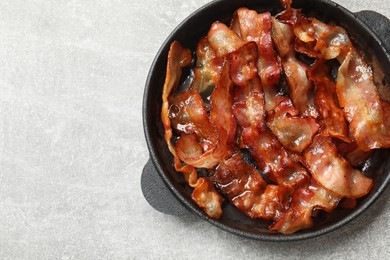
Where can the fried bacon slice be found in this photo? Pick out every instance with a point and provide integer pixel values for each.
(221, 107)
(331, 116)
(281, 113)
(362, 105)
(198, 144)
(301, 89)
(248, 108)
(356, 91)
(274, 160)
(306, 201)
(256, 27)
(204, 192)
(207, 69)
(223, 40)
(293, 132)
(334, 172)
(244, 187)
(248, 105)
(320, 40)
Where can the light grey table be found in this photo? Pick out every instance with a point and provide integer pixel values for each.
(72, 148)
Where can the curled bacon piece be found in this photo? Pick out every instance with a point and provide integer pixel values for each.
(356, 91)
(204, 192)
(207, 68)
(320, 40)
(295, 70)
(273, 159)
(248, 104)
(221, 107)
(198, 145)
(304, 204)
(334, 172)
(245, 188)
(294, 132)
(325, 98)
(257, 27)
(223, 40)
(362, 105)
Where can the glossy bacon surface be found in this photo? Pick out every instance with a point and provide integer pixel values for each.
(207, 68)
(333, 122)
(301, 89)
(334, 172)
(178, 58)
(244, 187)
(274, 160)
(223, 40)
(305, 142)
(362, 105)
(305, 201)
(257, 27)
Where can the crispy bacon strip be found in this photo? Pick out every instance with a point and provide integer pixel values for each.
(362, 105)
(305, 201)
(207, 69)
(294, 132)
(245, 188)
(198, 145)
(352, 153)
(221, 107)
(295, 70)
(257, 27)
(331, 115)
(249, 112)
(204, 192)
(356, 91)
(248, 104)
(223, 40)
(334, 172)
(319, 40)
(274, 160)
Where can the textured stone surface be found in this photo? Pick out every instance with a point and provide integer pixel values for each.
(72, 147)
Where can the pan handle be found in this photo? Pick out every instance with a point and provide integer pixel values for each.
(379, 23)
(157, 194)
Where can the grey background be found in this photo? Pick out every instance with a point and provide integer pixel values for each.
(72, 148)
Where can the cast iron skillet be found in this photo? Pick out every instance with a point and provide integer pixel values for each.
(188, 33)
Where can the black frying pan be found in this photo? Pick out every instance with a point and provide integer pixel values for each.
(375, 49)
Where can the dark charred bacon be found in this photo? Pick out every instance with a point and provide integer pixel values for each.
(204, 192)
(295, 70)
(245, 188)
(304, 204)
(334, 172)
(331, 115)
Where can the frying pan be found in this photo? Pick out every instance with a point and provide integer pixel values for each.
(172, 195)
